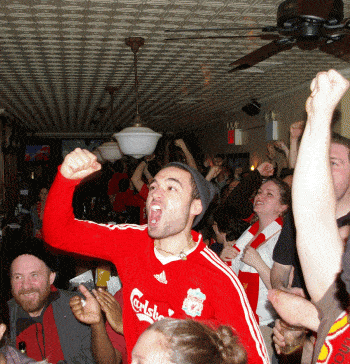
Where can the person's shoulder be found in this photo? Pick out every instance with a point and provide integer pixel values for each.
(213, 265)
(12, 303)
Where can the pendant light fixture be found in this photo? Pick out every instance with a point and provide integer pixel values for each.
(137, 140)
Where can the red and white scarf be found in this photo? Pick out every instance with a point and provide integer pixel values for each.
(250, 280)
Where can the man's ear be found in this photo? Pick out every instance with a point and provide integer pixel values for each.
(52, 277)
(196, 206)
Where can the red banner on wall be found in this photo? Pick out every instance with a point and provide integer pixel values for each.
(231, 136)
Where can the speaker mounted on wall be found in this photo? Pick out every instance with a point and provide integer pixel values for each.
(253, 108)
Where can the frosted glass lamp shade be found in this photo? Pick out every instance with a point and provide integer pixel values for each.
(137, 141)
(108, 151)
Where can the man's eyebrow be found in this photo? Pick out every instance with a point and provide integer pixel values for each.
(337, 159)
(172, 179)
(31, 272)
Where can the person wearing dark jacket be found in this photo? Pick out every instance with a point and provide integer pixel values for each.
(40, 315)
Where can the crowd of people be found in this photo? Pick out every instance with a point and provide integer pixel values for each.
(216, 265)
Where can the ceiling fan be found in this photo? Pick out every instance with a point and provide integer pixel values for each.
(302, 23)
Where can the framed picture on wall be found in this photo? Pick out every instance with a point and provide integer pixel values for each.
(37, 153)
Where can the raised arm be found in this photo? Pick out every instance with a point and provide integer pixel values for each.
(189, 157)
(296, 131)
(318, 242)
(281, 145)
(136, 178)
(147, 174)
(63, 231)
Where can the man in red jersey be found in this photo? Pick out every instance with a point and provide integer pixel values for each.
(166, 269)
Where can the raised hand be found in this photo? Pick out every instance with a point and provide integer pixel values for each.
(265, 169)
(87, 311)
(150, 157)
(297, 129)
(280, 144)
(214, 171)
(327, 89)
(179, 143)
(111, 308)
(79, 164)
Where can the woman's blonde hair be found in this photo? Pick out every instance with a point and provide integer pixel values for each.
(192, 342)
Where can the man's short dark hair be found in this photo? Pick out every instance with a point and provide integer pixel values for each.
(342, 140)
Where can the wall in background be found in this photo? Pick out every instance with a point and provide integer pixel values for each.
(288, 109)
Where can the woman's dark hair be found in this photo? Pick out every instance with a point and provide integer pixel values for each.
(191, 342)
(285, 193)
(233, 227)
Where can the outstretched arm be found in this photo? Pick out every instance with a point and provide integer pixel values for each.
(318, 242)
(189, 157)
(294, 309)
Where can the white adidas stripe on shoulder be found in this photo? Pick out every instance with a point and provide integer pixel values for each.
(213, 258)
(117, 226)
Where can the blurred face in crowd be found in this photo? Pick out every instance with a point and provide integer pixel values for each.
(30, 283)
(150, 349)
(340, 169)
(218, 161)
(170, 206)
(267, 201)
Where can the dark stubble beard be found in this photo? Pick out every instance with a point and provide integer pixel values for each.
(170, 228)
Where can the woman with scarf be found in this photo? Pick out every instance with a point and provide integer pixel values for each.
(253, 260)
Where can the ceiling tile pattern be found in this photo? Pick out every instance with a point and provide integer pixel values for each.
(58, 56)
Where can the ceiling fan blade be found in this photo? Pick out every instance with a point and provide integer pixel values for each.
(339, 48)
(261, 36)
(211, 29)
(260, 55)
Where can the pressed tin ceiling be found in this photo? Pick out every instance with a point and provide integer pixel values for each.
(58, 56)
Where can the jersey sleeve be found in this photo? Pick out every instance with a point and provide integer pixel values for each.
(64, 232)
